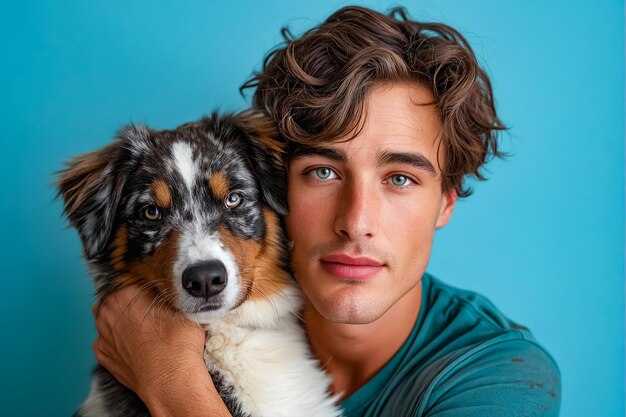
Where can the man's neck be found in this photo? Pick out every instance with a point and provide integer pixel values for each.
(353, 353)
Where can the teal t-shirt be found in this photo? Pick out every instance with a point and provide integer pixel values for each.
(463, 358)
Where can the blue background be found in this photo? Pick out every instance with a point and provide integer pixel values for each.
(543, 238)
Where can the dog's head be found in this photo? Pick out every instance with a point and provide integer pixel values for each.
(191, 213)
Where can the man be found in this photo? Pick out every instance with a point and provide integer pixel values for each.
(383, 118)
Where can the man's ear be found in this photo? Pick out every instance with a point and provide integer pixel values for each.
(448, 202)
(265, 156)
(91, 188)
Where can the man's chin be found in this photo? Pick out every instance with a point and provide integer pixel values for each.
(348, 306)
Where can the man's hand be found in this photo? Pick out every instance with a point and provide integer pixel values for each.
(156, 352)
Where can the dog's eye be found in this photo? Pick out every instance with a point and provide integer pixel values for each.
(232, 200)
(152, 212)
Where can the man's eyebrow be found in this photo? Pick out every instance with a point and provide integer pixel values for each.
(414, 159)
(300, 151)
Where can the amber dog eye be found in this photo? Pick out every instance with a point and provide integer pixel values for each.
(152, 212)
(232, 200)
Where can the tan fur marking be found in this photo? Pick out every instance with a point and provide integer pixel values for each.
(273, 145)
(245, 251)
(162, 194)
(261, 126)
(271, 277)
(119, 248)
(259, 261)
(156, 270)
(219, 185)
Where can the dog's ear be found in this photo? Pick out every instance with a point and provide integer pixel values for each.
(91, 187)
(266, 157)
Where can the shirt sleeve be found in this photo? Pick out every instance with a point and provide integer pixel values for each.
(513, 378)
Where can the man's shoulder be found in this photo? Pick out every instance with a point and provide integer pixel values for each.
(461, 323)
(446, 305)
(476, 352)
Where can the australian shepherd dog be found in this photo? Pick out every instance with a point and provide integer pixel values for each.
(193, 214)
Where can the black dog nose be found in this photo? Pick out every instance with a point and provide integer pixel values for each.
(205, 279)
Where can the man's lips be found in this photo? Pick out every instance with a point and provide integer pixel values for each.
(342, 258)
(344, 266)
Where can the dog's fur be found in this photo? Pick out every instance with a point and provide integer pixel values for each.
(153, 204)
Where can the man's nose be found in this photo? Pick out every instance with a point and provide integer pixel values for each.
(358, 211)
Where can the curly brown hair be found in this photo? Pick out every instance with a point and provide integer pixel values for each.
(314, 86)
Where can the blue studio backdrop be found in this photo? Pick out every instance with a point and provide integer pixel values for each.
(543, 237)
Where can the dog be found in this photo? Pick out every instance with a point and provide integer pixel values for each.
(194, 214)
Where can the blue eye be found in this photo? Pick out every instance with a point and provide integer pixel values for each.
(323, 173)
(400, 180)
(232, 200)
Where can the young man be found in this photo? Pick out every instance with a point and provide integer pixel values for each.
(383, 118)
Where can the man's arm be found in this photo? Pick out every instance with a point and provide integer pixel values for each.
(157, 353)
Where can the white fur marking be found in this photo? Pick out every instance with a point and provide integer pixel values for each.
(196, 246)
(261, 351)
(183, 160)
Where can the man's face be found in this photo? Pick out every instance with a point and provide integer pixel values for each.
(362, 213)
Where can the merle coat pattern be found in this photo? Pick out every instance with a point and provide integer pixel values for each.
(160, 209)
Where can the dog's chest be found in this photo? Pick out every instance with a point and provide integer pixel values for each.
(257, 367)
(267, 371)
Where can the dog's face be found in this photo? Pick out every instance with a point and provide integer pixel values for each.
(190, 213)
